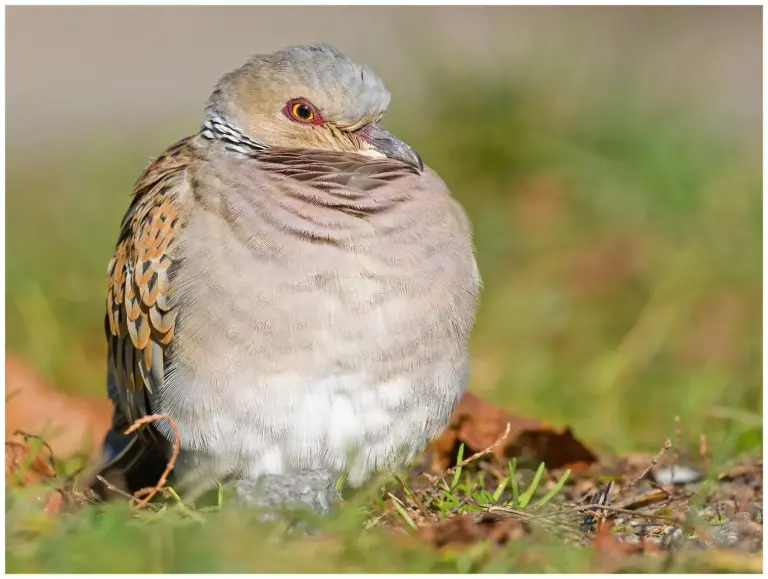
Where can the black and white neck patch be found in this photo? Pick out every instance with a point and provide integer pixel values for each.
(217, 128)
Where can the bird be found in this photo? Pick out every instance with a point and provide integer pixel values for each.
(290, 284)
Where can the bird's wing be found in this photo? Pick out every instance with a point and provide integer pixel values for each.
(141, 309)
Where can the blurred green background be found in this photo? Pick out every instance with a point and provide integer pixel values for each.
(609, 158)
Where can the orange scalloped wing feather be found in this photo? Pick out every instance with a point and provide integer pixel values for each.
(141, 309)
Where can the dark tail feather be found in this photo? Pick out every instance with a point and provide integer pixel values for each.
(129, 463)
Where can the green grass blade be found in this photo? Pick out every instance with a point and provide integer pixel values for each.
(457, 474)
(406, 518)
(554, 490)
(511, 468)
(500, 489)
(525, 498)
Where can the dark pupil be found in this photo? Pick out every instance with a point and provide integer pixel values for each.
(303, 111)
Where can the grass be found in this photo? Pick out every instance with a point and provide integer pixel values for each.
(620, 245)
(466, 520)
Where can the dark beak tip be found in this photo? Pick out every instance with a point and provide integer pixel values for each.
(389, 145)
(410, 157)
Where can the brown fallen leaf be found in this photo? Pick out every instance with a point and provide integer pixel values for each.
(26, 466)
(744, 470)
(610, 551)
(465, 529)
(69, 423)
(479, 424)
(652, 497)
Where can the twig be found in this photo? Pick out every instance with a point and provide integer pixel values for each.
(544, 518)
(174, 453)
(483, 452)
(113, 488)
(654, 462)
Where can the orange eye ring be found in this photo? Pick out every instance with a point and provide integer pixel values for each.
(302, 111)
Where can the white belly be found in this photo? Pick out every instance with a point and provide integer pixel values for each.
(339, 423)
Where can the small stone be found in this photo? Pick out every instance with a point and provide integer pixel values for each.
(674, 535)
(726, 509)
(725, 534)
(312, 490)
(630, 538)
(678, 475)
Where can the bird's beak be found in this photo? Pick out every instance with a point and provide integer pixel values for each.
(389, 145)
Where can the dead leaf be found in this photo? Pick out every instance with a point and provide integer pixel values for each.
(478, 424)
(610, 551)
(465, 529)
(22, 468)
(744, 470)
(26, 466)
(70, 423)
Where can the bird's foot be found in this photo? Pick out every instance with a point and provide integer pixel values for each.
(314, 491)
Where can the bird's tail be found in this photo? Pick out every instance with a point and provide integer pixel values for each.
(128, 462)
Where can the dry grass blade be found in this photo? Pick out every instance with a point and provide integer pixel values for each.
(589, 509)
(612, 509)
(400, 508)
(171, 462)
(656, 496)
(548, 519)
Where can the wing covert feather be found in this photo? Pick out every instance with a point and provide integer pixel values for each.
(141, 309)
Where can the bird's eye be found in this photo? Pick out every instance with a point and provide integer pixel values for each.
(301, 111)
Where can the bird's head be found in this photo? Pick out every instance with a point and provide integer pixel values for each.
(311, 97)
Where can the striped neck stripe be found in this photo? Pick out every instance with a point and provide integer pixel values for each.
(218, 128)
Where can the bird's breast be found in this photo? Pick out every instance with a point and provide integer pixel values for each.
(353, 334)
